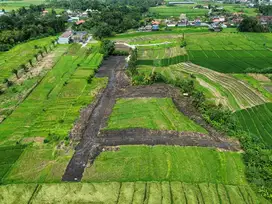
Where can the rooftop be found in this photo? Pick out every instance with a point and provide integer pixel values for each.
(66, 34)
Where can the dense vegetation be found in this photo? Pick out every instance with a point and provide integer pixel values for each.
(251, 24)
(25, 24)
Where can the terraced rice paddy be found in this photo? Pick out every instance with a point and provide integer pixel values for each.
(175, 11)
(20, 54)
(52, 107)
(161, 115)
(257, 122)
(168, 163)
(230, 53)
(130, 192)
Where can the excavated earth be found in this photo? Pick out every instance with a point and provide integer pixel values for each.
(89, 132)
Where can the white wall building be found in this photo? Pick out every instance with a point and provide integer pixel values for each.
(65, 37)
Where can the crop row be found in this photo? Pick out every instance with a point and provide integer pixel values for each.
(167, 163)
(257, 121)
(136, 193)
(54, 104)
(243, 94)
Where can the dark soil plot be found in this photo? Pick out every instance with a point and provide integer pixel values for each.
(8, 156)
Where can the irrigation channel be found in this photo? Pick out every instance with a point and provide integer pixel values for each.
(88, 130)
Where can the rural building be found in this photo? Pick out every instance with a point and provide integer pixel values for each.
(2, 13)
(197, 22)
(73, 19)
(180, 2)
(155, 23)
(264, 20)
(145, 28)
(216, 27)
(155, 27)
(80, 22)
(65, 38)
(79, 36)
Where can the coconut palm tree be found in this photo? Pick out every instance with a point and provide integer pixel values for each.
(15, 71)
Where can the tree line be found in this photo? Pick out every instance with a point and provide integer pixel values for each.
(27, 24)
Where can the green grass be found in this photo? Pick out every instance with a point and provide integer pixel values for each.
(19, 55)
(152, 113)
(8, 156)
(130, 192)
(257, 121)
(168, 11)
(228, 52)
(260, 86)
(39, 164)
(14, 95)
(53, 106)
(168, 163)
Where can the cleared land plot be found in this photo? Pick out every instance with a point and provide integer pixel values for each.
(168, 163)
(8, 156)
(20, 54)
(38, 165)
(230, 53)
(168, 11)
(152, 113)
(257, 121)
(53, 106)
(131, 192)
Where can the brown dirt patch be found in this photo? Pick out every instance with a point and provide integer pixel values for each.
(259, 77)
(33, 139)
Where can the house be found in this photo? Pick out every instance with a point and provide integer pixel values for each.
(73, 19)
(65, 38)
(145, 28)
(216, 27)
(155, 23)
(197, 22)
(265, 20)
(80, 22)
(155, 27)
(2, 13)
(79, 36)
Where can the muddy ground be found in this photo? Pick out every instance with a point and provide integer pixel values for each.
(88, 129)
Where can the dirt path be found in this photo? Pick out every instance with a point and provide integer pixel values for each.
(92, 138)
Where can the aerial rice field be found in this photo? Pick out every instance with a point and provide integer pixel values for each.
(52, 107)
(161, 115)
(20, 89)
(257, 122)
(230, 52)
(128, 192)
(21, 54)
(175, 11)
(168, 163)
(13, 5)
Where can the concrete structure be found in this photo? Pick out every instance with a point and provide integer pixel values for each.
(65, 38)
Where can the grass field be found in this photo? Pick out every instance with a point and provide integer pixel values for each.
(168, 163)
(230, 53)
(161, 115)
(8, 156)
(52, 107)
(20, 54)
(15, 94)
(130, 192)
(217, 87)
(175, 11)
(39, 164)
(257, 121)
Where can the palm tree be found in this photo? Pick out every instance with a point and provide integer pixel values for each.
(15, 71)
(36, 56)
(22, 66)
(41, 52)
(8, 82)
(30, 62)
(45, 49)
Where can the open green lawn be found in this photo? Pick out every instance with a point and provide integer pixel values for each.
(53, 106)
(152, 113)
(168, 163)
(21, 54)
(130, 192)
(230, 52)
(168, 11)
(257, 121)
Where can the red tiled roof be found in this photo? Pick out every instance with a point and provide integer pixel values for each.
(80, 22)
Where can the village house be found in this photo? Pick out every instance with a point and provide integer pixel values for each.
(80, 22)
(264, 20)
(145, 28)
(65, 38)
(79, 36)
